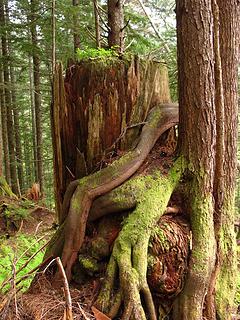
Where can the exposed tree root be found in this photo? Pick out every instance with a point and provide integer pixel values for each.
(129, 257)
(79, 196)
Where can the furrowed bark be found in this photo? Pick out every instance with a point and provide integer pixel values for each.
(198, 120)
(98, 112)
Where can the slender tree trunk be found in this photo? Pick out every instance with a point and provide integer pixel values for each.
(97, 24)
(18, 149)
(4, 131)
(37, 93)
(116, 25)
(76, 37)
(19, 154)
(1, 143)
(29, 164)
(53, 37)
(10, 124)
(227, 59)
(33, 121)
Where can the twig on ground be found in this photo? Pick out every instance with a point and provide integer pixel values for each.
(68, 299)
(14, 285)
(37, 227)
(82, 312)
(33, 270)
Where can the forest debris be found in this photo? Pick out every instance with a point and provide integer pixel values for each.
(33, 193)
(99, 315)
(68, 310)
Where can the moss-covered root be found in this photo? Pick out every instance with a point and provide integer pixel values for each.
(159, 120)
(189, 304)
(129, 256)
(129, 261)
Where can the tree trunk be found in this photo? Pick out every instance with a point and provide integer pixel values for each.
(19, 154)
(4, 130)
(116, 25)
(9, 109)
(97, 23)
(53, 36)
(207, 75)
(76, 31)
(33, 121)
(225, 270)
(1, 142)
(37, 93)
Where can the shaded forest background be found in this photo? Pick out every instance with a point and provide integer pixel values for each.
(28, 39)
(34, 35)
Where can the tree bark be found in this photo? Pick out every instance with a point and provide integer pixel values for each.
(207, 109)
(76, 31)
(97, 23)
(122, 94)
(19, 154)
(116, 25)
(37, 93)
(8, 104)
(4, 130)
(225, 269)
(53, 36)
(33, 121)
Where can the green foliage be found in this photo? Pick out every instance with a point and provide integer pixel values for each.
(92, 53)
(14, 213)
(17, 251)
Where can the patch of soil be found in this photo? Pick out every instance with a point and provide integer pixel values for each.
(40, 220)
(36, 219)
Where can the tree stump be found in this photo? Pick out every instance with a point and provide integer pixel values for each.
(98, 111)
(107, 116)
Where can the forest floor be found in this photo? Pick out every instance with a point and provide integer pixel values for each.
(25, 228)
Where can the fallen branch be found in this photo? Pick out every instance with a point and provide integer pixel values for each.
(68, 310)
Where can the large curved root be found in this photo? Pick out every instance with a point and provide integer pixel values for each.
(128, 262)
(80, 194)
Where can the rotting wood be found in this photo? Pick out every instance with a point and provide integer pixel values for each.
(80, 199)
(122, 92)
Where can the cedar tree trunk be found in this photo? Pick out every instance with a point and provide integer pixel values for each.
(207, 61)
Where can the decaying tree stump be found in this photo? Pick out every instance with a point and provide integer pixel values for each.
(98, 111)
(106, 118)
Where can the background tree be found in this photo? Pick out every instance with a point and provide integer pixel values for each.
(116, 24)
(76, 29)
(37, 92)
(8, 101)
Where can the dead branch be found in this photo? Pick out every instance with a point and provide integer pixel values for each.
(68, 310)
